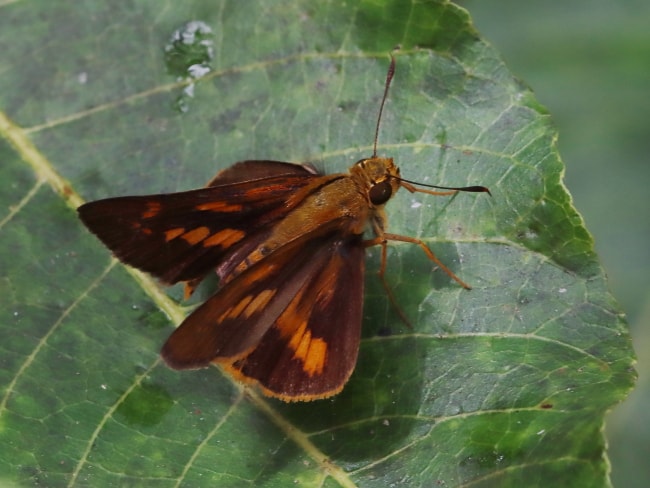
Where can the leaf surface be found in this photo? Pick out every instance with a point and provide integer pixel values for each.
(502, 385)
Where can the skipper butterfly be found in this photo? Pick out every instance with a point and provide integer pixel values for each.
(288, 246)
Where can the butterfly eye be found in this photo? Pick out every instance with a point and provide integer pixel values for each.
(380, 193)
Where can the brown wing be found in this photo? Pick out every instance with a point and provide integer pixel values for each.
(290, 323)
(259, 170)
(181, 236)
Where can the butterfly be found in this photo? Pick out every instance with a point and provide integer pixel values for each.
(288, 245)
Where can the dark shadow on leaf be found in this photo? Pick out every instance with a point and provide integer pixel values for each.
(145, 406)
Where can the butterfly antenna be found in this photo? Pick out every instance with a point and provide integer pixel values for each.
(476, 189)
(389, 77)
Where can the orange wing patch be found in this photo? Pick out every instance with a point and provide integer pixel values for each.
(173, 233)
(311, 351)
(219, 206)
(258, 303)
(224, 238)
(153, 209)
(195, 236)
(248, 305)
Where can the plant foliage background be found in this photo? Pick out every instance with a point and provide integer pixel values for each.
(588, 62)
(509, 382)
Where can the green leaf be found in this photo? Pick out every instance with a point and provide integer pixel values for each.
(503, 385)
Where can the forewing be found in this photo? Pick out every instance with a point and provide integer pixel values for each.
(291, 323)
(181, 236)
(259, 169)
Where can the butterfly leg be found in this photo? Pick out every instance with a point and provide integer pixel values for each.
(429, 253)
(382, 276)
(382, 239)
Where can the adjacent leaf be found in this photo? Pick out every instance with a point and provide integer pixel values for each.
(500, 386)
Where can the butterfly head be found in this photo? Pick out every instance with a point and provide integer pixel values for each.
(379, 177)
